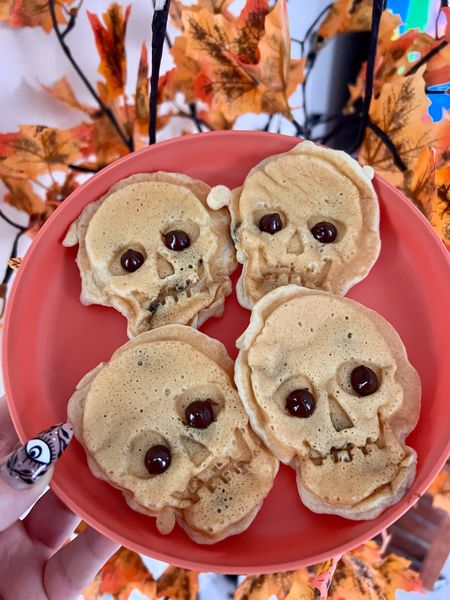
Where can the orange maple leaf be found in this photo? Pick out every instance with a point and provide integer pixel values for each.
(178, 584)
(397, 575)
(400, 111)
(440, 489)
(182, 77)
(110, 42)
(439, 214)
(237, 75)
(261, 587)
(419, 182)
(362, 574)
(275, 69)
(124, 572)
(22, 196)
(33, 13)
(213, 6)
(291, 585)
(104, 142)
(141, 100)
(62, 91)
(344, 16)
(38, 149)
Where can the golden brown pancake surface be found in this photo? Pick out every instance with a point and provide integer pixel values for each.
(218, 476)
(185, 285)
(307, 188)
(347, 448)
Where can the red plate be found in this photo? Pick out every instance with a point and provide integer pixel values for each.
(51, 340)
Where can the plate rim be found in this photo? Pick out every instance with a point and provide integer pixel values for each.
(410, 498)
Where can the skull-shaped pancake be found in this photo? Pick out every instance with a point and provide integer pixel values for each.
(308, 217)
(152, 249)
(163, 422)
(328, 387)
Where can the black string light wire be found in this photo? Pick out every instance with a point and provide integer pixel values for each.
(159, 28)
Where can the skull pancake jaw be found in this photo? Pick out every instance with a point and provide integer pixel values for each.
(357, 483)
(221, 504)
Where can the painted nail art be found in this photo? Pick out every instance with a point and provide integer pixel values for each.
(31, 461)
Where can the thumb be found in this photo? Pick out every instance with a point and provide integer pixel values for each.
(25, 473)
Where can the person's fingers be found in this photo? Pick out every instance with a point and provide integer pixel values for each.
(75, 565)
(25, 472)
(50, 522)
(8, 435)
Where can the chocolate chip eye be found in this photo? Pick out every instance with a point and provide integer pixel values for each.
(157, 459)
(324, 232)
(364, 381)
(131, 260)
(177, 240)
(271, 223)
(300, 403)
(199, 414)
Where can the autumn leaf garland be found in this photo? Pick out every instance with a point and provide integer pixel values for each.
(361, 574)
(233, 64)
(227, 65)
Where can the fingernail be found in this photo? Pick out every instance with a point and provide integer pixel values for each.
(28, 463)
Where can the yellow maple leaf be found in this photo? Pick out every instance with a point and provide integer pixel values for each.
(389, 24)
(178, 584)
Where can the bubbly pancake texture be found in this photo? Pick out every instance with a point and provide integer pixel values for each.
(130, 259)
(278, 218)
(218, 476)
(328, 387)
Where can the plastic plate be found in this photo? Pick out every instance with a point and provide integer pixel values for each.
(51, 340)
